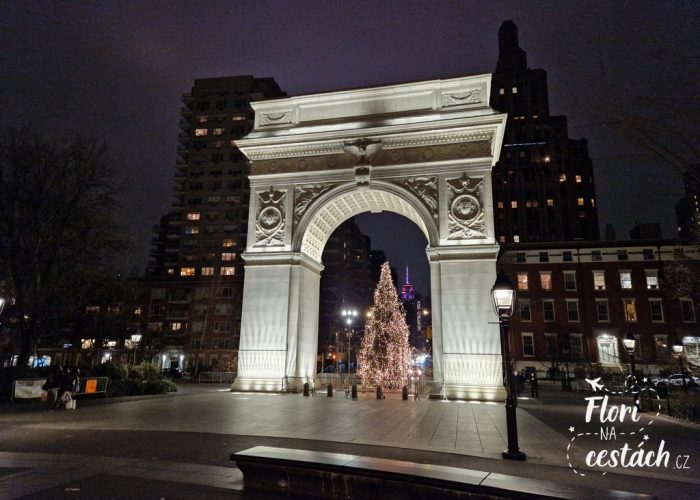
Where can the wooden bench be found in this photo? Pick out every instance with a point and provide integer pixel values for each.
(304, 473)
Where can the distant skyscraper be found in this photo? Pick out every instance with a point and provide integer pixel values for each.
(543, 185)
(688, 207)
(407, 292)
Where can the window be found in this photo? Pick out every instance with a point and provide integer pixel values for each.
(200, 132)
(522, 281)
(687, 311)
(196, 343)
(551, 344)
(562, 177)
(648, 253)
(155, 326)
(652, 279)
(516, 239)
(213, 199)
(202, 119)
(550, 202)
(657, 310)
(227, 256)
(622, 255)
(222, 326)
(626, 280)
(548, 310)
(520, 257)
(227, 291)
(678, 253)
(191, 230)
(567, 257)
(580, 202)
(528, 344)
(544, 257)
(228, 271)
(193, 215)
(607, 350)
(525, 312)
(602, 310)
(569, 280)
(578, 179)
(546, 280)
(156, 310)
(501, 91)
(176, 326)
(576, 345)
(207, 271)
(499, 204)
(187, 271)
(513, 204)
(218, 131)
(228, 243)
(630, 307)
(660, 346)
(599, 280)
(596, 256)
(158, 293)
(224, 309)
(572, 309)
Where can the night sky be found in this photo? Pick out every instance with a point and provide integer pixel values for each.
(116, 71)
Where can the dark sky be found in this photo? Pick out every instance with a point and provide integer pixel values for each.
(116, 70)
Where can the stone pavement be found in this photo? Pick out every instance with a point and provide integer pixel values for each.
(187, 438)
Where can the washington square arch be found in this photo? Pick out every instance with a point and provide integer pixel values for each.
(424, 150)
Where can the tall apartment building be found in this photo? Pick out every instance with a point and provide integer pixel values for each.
(688, 207)
(193, 288)
(543, 185)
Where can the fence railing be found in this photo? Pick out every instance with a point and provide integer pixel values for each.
(216, 377)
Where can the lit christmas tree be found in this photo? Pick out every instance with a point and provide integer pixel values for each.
(385, 355)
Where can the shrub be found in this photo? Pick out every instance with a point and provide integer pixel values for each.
(110, 370)
(132, 387)
(162, 386)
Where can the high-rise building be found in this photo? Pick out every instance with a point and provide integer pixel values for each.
(688, 207)
(543, 185)
(194, 281)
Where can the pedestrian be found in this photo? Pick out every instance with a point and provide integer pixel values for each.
(521, 382)
(534, 389)
(52, 386)
(66, 387)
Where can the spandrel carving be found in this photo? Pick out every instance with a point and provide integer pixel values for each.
(465, 214)
(426, 189)
(269, 223)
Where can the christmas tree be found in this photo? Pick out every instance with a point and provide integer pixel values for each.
(385, 355)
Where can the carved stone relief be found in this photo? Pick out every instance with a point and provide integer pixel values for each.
(465, 212)
(270, 219)
(279, 118)
(474, 149)
(304, 196)
(467, 96)
(303, 164)
(426, 189)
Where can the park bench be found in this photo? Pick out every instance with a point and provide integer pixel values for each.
(306, 474)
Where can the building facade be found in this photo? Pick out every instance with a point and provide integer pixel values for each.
(543, 184)
(577, 300)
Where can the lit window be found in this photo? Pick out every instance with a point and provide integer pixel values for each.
(579, 202)
(501, 91)
(228, 256)
(578, 179)
(191, 230)
(572, 309)
(522, 281)
(187, 271)
(525, 312)
(501, 239)
(687, 311)
(562, 177)
(207, 271)
(657, 311)
(238, 118)
(513, 204)
(213, 199)
(175, 327)
(570, 280)
(626, 280)
(200, 132)
(593, 202)
(171, 270)
(599, 280)
(228, 271)
(515, 90)
(548, 310)
(602, 310)
(516, 238)
(630, 306)
(218, 131)
(550, 202)
(546, 280)
(228, 243)
(499, 204)
(193, 215)
(202, 119)
(652, 279)
(528, 344)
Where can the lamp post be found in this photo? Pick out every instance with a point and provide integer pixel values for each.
(678, 353)
(136, 339)
(349, 316)
(503, 294)
(630, 343)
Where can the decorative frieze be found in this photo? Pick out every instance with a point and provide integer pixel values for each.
(277, 118)
(270, 219)
(465, 213)
(426, 189)
(302, 164)
(304, 196)
(476, 149)
(467, 96)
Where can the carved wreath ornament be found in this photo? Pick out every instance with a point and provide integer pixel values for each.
(269, 224)
(465, 216)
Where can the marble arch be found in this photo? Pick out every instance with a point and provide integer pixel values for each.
(424, 150)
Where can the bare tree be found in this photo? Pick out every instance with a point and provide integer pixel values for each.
(58, 235)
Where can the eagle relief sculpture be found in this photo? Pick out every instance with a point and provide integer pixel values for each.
(465, 217)
(269, 224)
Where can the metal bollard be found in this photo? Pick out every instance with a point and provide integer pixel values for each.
(404, 393)
(353, 391)
(306, 389)
(329, 392)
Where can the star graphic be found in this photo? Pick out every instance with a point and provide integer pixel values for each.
(645, 380)
(571, 429)
(646, 437)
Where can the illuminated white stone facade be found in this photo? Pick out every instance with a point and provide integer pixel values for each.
(423, 150)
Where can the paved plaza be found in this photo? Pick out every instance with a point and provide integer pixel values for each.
(175, 445)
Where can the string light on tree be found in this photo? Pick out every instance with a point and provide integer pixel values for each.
(385, 354)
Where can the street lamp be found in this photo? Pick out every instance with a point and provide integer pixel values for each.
(503, 294)
(349, 316)
(136, 339)
(678, 353)
(630, 343)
